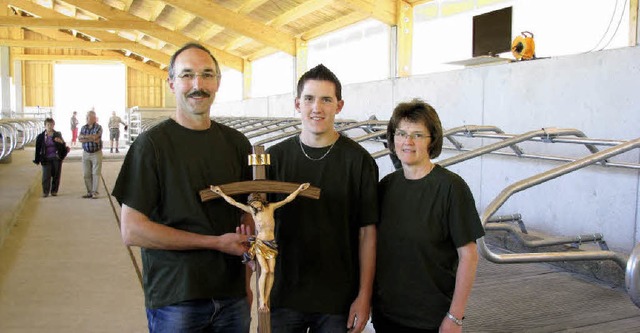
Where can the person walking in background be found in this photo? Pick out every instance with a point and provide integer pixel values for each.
(427, 257)
(114, 130)
(74, 128)
(91, 139)
(194, 279)
(324, 273)
(50, 151)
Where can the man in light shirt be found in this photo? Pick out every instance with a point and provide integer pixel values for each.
(114, 130)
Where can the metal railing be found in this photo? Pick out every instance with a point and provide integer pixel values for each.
(16, 133)
(269, 130)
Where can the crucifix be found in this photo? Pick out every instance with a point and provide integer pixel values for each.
(263, 245)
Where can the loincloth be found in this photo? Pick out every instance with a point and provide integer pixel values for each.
(266, 249)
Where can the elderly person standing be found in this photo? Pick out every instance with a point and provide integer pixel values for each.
(50, 151)
(91, 139)
(114, 131)
(427, 256)
(74, 128)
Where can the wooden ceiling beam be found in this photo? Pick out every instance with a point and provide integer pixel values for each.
(160, 32)
(70, 23)
(156, 11)
(46, 13)
(249, 6)
(299, 11)
(138, 65)
(93, 58)
(127, 4)
(184, 21)
(289, 16)
(75, 44)
(65, 57)
(381, 10)
(220, 15)
(334, 25)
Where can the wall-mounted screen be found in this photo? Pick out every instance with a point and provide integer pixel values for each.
(492, 32)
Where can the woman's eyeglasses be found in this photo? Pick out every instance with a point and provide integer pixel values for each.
(416, 136)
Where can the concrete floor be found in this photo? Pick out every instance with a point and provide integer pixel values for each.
(64, 268)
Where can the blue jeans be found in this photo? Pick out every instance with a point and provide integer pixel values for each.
(206, 315)
(290, 321)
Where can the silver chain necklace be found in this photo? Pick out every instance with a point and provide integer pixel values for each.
(321, 157)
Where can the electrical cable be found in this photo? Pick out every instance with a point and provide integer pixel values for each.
(624, 6)
(615, 8)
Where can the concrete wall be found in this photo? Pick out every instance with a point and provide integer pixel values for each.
(597, 93)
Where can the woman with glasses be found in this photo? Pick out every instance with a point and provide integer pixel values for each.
(426, 254)
(50, 151)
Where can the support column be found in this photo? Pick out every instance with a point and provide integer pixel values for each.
(405, 38)
(246, 79)
(17, 84)
(5, 83)
(302, 52)
(634, 27)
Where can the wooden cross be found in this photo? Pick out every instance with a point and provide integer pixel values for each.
(259, 161)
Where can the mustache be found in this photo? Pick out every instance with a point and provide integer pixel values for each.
(199, 93)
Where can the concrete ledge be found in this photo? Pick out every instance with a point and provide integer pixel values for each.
(604, 271)
(18, 180)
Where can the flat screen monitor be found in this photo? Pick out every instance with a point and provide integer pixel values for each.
(492, 32)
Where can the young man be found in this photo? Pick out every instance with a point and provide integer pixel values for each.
(91, 139)
(194, 280)
(324, 274)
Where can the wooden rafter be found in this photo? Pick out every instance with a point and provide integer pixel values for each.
(104, 36)
(70, 23)
(250, 5)
(289, 16)
(158, 31)
(145, 68)
(334, 25)
(156, 11)
(73, 44)
(220, 15)
(382, 10)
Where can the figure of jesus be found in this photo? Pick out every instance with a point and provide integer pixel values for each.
(264, 246)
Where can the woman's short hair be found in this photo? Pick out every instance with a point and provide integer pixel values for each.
(417, 111)
(49, 120)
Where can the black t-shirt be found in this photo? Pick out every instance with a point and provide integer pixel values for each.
(317, 269)
(422, 223)
(161, 177)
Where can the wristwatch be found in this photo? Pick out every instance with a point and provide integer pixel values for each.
(455, 319)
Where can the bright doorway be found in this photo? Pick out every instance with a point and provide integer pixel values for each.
(79, 87)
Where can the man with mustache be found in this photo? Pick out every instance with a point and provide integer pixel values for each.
(194, 280)
(324, 273)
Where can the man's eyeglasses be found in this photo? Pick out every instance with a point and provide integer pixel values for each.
(417, 136)
(206, 76)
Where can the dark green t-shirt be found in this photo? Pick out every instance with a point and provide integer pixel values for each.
(161, 177)
(317, 269)
(422, 223)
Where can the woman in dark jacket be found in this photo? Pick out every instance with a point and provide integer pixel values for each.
(50, 151)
